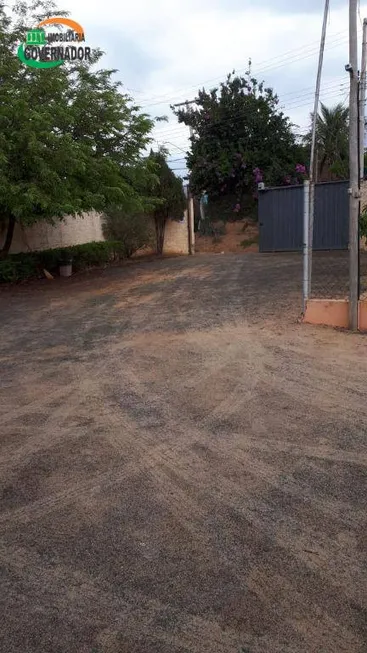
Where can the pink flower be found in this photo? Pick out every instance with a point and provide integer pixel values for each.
(300, 169)
(258, 175)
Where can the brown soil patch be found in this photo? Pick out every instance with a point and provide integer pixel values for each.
(232, 242)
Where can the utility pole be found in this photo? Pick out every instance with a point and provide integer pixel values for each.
(313, 144)
(352, 68)
(306, 235)
(362, 100)
(187, 104)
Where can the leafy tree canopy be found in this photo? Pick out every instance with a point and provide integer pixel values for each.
(240, 137)
(70, 139)
(168, 190)
(332, 141)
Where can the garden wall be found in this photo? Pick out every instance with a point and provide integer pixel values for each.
(176, 238)
(79, 230)
(71, 231)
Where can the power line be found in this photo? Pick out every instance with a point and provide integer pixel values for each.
(329, 92)
(284, 60)
(297, 95)
(265, 61)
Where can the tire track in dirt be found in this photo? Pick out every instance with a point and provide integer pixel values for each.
(274, 589)
(53, 431)
(302, 449)
(131, 612)
(177, 462)
(59, 393)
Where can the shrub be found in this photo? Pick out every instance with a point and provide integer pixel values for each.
(215, 229)
(133, 231)
(18, 267)
(363, 222)
(249, 241)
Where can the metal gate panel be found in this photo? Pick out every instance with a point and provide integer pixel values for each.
(281, 218)
(331, 222)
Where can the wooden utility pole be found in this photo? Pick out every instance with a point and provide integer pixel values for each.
(312, 174)
(362, 100)
(354, 163)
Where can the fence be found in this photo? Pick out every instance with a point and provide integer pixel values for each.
(281, 218)
(282, 215)
(326, 274)
(329, 269)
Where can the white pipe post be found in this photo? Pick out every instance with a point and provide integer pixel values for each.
(306, 244)
(353, 168)
(313, 139)
(191, 219)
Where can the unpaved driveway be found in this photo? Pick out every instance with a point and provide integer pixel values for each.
(183, 466)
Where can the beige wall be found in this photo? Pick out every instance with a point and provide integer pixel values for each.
(176, 237)
(363, 194)
(363, 244)
(71, 231)
(79, 230)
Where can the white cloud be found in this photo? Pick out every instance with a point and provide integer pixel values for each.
(170, 47)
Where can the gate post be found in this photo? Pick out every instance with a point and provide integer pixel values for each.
(306, 242)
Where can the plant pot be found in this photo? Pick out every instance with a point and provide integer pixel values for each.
(66, 268)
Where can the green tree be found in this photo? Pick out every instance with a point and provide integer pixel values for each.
(168, 189)
(133, 230)
(332, 142)
(70, 139)
(240, 137)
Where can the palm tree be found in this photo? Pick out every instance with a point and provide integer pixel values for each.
(332, 142)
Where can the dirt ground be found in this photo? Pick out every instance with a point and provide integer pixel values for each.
(240, 237)
(182, 464)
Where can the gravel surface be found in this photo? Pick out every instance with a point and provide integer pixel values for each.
(183, 465)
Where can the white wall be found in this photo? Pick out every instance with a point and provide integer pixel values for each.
(86, 229)
(68, 232)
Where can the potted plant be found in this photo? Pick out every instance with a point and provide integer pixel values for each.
(66, 264)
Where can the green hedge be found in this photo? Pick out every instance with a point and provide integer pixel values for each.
(30, 265)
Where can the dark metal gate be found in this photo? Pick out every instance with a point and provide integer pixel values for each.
(281, 217)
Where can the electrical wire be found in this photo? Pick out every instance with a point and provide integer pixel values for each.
(290, 104)
(284, 60)
(299, 133)
(297, 95)
(331, 91)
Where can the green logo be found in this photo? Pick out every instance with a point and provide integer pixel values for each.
(33, 54)
(36, 37)
(42, 50)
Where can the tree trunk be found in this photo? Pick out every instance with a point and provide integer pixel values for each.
(9, 236)
(160, 226)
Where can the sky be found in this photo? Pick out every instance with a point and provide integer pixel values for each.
(165, 50)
